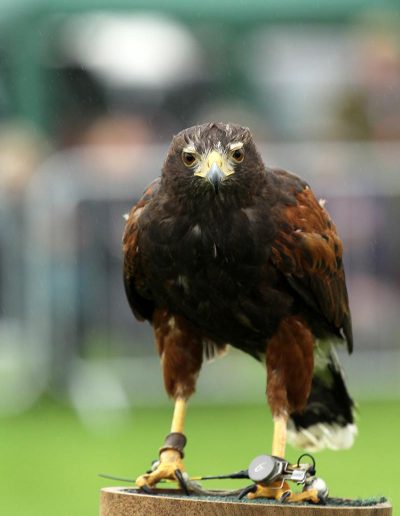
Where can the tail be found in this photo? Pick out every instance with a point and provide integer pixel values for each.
(328, 418)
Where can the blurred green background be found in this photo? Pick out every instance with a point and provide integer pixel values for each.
(50, 462)
(90, 94)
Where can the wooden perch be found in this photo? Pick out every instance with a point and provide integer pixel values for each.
(119, 501)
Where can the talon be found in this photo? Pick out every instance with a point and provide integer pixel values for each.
(182, 481)
(285, 496)
(247, 490)
(323, 500)
(166, 469)
(146, 489)
(154, 465)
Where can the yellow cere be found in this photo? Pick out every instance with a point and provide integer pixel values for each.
(206, 161)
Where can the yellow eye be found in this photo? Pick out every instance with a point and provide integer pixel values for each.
(238, 155)
(188, 158)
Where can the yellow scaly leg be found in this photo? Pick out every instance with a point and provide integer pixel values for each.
(171, 453)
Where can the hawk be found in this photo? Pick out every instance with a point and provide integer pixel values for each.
(222, 250)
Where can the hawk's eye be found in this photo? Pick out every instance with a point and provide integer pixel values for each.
(188, 158)
(238, 155)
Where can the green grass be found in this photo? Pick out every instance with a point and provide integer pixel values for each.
(49, 461)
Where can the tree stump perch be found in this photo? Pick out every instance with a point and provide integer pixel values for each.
(120, 501)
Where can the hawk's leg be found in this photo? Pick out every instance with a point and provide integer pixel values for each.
(181, 352)
(290, 361)
(171, 453)
(279, 436)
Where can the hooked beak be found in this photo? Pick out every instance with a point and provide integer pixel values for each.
(215, 176)
(215, 168)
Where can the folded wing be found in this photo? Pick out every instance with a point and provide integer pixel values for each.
(138, 294)
(308, 251)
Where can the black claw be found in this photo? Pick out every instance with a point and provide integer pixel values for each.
(247, 490)
(182, 482)
(146, 489)
(153, 466)
(323, 500)
(284, 497)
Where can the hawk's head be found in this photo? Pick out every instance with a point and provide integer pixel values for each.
(212, 157)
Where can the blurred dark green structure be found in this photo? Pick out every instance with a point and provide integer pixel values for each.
(35, 90)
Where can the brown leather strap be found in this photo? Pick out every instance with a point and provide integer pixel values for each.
(174, 441)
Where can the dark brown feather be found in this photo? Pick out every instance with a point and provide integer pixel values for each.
(134, 281)
(290, 362)
(180, 347)
(308, 250)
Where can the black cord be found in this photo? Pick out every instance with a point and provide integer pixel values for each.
(121, 479)
(312, 470)
(239, 474)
